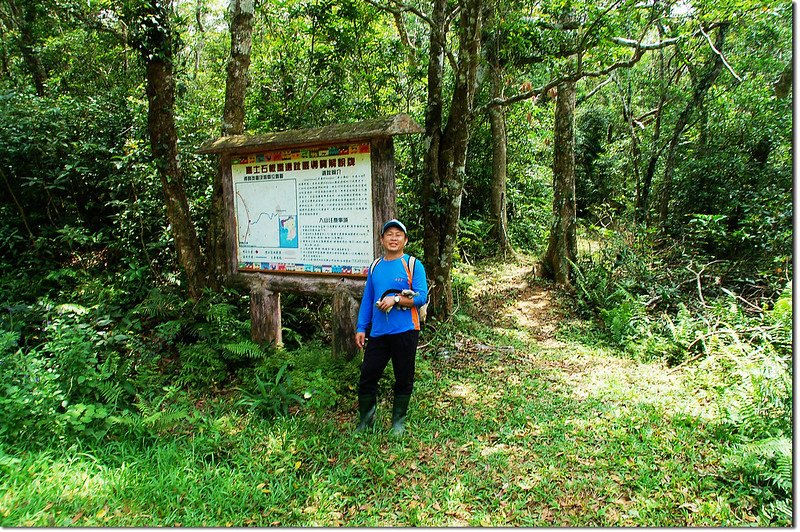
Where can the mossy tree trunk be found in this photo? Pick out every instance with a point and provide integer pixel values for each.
(157, 44)
(447, 141)
(562, 248)
(240, 13)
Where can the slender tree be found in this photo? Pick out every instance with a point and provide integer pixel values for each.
(497, 122)
(240, 13)
(700, 87)
(581, 46)
(157, 43)
(447, 140)
(22, 17)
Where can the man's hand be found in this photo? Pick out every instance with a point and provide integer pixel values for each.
(360, 339)
(386, 303)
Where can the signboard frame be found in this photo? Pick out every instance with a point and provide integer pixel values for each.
(266, 286)
(304, 210)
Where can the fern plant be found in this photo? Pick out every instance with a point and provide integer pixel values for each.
(767, 466)
(272, 397)
(159, 304)
(244, 350)
(201, 366)
(163, 414)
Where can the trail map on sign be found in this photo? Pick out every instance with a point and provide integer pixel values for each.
(267, 221)
(305, 210)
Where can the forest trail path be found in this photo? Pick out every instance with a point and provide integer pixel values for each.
(510, 296)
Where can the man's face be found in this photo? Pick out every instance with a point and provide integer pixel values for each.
(393, 239)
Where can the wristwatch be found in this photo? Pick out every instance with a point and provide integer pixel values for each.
(396, 300)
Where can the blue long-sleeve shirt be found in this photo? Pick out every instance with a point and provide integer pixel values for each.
(392, 275)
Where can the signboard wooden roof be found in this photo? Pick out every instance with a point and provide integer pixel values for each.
(399, 124)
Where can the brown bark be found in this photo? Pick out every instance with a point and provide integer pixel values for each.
(23, 17)
(309, 285)
(265, 316)
(562, 245)
(241, 28)
(447, 146)
(644, 187)
(157, 48)
(497, 122)
(384, 187)
(783, 85)
(345, 316)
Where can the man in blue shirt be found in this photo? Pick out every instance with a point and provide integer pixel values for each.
(392, 318)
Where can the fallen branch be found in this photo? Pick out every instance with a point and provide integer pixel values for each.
(699, 283)
(732, 332)
(737, 296)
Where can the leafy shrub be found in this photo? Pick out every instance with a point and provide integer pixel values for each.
(271, 397)
(473, 239)
(744, 369)
(318, 390)
(614, 286)
(31, 396)
(69, 384)
(314, 375)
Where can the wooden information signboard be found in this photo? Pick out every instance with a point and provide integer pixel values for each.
(303, 213)
(304, 210)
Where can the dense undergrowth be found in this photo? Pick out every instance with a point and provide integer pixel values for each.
(124, 404)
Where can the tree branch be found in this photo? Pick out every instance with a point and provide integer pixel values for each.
(571, 25)
(399, 8)
(18, 204)
(722, 57)
(631, 43)
(638, 52)
(95, 21)
(595, 90)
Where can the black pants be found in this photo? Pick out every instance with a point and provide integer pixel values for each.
(401, 349)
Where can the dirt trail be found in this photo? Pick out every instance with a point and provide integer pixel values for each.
(513, 297)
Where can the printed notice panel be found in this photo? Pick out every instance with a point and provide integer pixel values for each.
(305, 210)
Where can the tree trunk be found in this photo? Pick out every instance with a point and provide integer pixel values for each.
(562, 248)
(701, 88)
(636, 153)
(241, 27)
(497, 121)
(157, 44)
(783, 85)
(24, 18)
(200, 42)
(644, 183)
(447, 147)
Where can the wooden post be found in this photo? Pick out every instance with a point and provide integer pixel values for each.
(230, 218)
(265, 316)
(384, 190)
(345, 317)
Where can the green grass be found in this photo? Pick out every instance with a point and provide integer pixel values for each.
(503, 431)
(495, 440)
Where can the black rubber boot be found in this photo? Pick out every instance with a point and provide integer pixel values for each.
(399, 411)
(366, 412)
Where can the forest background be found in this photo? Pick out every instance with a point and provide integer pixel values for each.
(634, 157)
